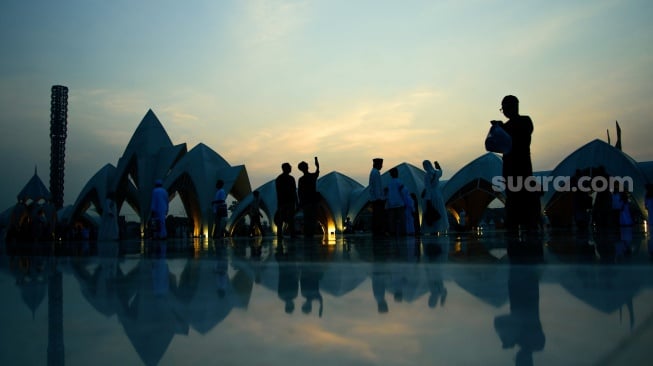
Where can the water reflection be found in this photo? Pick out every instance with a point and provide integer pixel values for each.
(522, 327)
(170, 294)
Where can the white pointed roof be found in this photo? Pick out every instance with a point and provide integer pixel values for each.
(336, 190)
(599, 153)
(485, 167)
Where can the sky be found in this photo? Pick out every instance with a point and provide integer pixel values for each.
(265, 82)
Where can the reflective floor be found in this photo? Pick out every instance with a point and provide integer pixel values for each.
(475, 298)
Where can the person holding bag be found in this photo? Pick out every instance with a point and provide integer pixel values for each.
(521, 205)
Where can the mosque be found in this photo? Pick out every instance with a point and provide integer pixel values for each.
(191, 176)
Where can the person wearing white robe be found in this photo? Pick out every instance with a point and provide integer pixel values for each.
(433, 194)
(160, 208)
(109, 226)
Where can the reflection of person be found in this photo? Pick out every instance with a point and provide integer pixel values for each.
(520, 203)
(219, 209)
(286, 201)
(160, 272)
(434, 253)
(377, 198)
(433, 196)
(379, 286)
(160, 209)
(221, 271)
(288, 286)
(309, 280)
(522, 327)
(308, 196)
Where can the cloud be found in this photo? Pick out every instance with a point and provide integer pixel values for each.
(337, 133)
(268, 21)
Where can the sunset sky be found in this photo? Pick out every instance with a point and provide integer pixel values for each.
(264, 82)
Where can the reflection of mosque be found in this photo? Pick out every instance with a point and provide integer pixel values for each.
(158, 295)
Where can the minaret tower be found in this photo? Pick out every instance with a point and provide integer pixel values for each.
(58, 133)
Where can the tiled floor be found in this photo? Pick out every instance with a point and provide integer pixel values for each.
(463, 299)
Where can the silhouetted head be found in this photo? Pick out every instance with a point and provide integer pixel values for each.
(303, 167)
(394, 173)
(219, 184)
(510, 106)
(427, 165)
(377, 163)
(286, 168)
(158, 183)
(256, 194)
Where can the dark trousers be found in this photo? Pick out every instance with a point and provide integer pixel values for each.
(522, 210)
(285, 215)
(310, 219)
(397, 221)
(378, 217)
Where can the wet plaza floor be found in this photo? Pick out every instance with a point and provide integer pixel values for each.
(464, 299)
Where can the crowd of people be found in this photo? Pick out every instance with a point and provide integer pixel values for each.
(395, 209)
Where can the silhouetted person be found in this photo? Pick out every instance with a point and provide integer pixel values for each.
(582, 203)
(409, 212)
(625, 218)
(395, 204)
(255, 214)
(416, 223)
(377, 199)
(159, 209)
(219, 209)
(308, 196)
(109, 226)
(520, 204)
(433, 196)
(286, 201)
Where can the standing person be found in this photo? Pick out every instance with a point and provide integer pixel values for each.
(377, 198)
(159, 209)
(409, 211)
(286, 201)
(220, 211)
(308, 196)
(433, 197)
(416, 223)
(520, 203)
(395, 204)
(255, 214)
